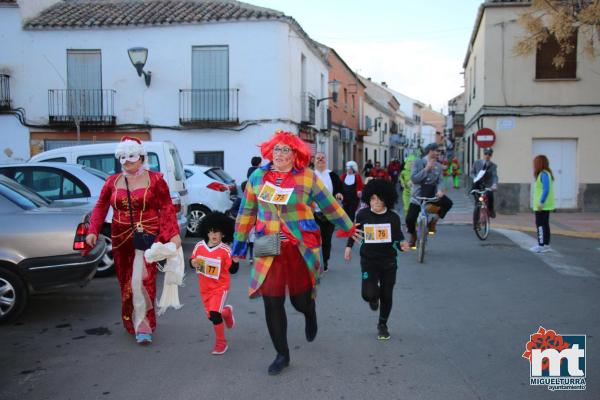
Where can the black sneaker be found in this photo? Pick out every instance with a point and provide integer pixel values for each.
(492, 213)
(383, 333)
(280, 362)
(374, 304)
(310, 328)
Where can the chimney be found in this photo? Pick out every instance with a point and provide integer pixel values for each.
(384, 84)
(32, 8)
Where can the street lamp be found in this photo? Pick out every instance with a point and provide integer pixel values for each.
(334, 85)
(138, 57)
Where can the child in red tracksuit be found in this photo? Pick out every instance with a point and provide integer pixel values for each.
(211, 259)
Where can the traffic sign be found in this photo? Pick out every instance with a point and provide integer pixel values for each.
(485, 137)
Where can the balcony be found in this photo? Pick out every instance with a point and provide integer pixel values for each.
(4, 92)
(309, 105)
(91, 107)
(206, 108)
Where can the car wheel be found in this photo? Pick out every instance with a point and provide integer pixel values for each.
(106, 267)
(195, 217)
(13, 295)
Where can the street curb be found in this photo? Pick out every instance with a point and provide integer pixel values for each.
(561, 232)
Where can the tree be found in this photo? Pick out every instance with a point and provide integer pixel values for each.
(560, 19)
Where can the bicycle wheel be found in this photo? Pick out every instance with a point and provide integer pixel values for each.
(422, 239)
(484, 225)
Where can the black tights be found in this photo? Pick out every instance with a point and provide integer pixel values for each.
(378, 284)
(277, 319)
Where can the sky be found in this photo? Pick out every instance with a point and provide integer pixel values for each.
(417, 47)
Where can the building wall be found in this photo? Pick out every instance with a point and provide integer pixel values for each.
(519, 86)
(264, 64)
(476, 70)
(14, 142)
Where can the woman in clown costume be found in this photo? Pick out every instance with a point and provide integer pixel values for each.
(151, 210)
(278, 201)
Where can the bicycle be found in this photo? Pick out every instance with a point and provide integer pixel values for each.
(423, 225)
(481, 226)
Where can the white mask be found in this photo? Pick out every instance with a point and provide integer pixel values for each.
(131, 157)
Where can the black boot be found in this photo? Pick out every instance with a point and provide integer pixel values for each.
(280, 362)
(310, 328)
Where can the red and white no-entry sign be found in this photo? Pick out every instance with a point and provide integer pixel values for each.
(485, 137)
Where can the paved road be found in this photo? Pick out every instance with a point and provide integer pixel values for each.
(459, 326)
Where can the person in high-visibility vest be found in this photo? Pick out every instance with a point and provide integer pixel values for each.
(542, 202)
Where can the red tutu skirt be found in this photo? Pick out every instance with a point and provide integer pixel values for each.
(288, 274)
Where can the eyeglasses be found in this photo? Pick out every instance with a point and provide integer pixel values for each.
(282, 150)
(320, 159)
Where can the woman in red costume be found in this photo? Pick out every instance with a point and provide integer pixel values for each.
(152, 210)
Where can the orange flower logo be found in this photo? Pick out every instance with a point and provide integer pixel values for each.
(544, 339)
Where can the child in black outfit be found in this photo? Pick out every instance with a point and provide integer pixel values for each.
(381, 239)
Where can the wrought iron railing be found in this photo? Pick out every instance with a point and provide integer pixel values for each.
(4, 92)
(207, 107)
(88, 106)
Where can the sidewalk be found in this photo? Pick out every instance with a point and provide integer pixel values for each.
(576, 224)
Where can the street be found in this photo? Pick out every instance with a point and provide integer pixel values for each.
(459, 325)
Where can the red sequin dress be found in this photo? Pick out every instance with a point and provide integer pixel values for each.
(153, 208)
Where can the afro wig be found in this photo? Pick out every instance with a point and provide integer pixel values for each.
(302, 152)
(217, 222)
(383, 189)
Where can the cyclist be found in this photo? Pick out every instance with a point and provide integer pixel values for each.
(426, 177)
(485, 175)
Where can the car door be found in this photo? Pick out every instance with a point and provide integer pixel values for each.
(53, 183)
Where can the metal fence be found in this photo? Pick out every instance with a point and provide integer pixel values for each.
(208, 106)
(4, 92)
(89, 106)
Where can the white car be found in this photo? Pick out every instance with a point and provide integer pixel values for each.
(209, 189)
(162, 157)
(74, 183)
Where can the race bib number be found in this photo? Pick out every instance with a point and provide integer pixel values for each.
(378, 233)
(275, 195)
(209, 267)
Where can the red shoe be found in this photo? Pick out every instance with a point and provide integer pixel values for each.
(228, 316)
(220, 348)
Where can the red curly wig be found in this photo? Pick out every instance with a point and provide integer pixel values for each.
(302, 152)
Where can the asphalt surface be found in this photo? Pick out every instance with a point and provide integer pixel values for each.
(459, 325)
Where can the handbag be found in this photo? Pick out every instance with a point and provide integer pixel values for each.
(142, 240)
(267, 245)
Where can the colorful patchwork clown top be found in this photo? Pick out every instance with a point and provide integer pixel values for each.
(283, 203)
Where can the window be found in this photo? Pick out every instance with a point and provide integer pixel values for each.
(209, 158)
(366, 154)
(345, 99)
(51, 184)
(474, 75)
(188, 173)
(178, 164)
(109, 164)
(375, 155)
(210, 82)
(544, 69)
(353, 105)
(84, 81)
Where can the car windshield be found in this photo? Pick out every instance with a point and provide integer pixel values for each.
(100, 174)
(21, 195)
(219, 175)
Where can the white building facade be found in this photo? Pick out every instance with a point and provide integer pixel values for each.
(217, 90)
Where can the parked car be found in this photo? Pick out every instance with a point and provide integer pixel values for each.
(40, 247)
(162, 157)
(65, 184)
(209, 189)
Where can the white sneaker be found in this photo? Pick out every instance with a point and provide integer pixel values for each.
(537, 249)
(545, 249)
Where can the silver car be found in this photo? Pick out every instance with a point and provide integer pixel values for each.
(68, 183)
(40, 247)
